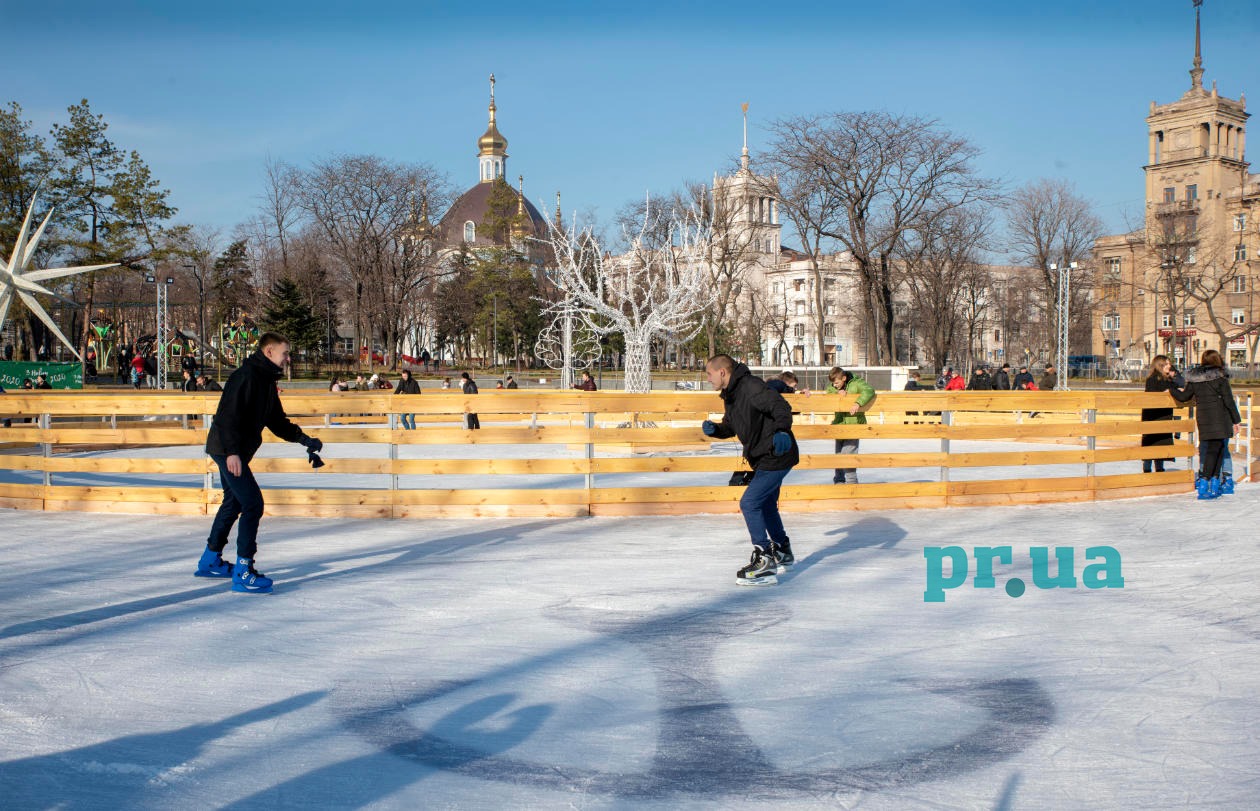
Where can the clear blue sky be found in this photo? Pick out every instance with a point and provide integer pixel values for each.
(604, 101)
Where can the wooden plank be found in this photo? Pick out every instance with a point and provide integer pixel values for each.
(490, 497)
(490, 511)
(107, 464)
(489, 467)
(125, 495)
(124, 507)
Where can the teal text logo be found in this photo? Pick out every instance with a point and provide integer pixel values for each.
(1104, 574)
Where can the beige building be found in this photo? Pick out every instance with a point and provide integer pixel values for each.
(1185, 281)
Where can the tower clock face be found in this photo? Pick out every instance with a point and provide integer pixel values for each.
(1182, 140)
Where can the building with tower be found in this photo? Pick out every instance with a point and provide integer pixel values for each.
(1185, 281)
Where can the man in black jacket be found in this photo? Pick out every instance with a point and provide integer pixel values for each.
(762, 420)
(250, 402)
(1002, 379)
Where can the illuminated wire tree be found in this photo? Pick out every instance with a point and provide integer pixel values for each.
(657, 288)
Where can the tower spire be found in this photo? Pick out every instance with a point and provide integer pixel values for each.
(1196, 73)
(491, 147)
(743, 156)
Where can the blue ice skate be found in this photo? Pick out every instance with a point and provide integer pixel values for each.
(212, 565)
(1227, 484)
(246, 579)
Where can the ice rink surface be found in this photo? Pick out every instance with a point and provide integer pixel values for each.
(613, 663)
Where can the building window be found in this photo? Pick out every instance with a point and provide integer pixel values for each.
(1187, 318)
(829, 330)
(829, 307)
(800, 308)
(1192, 192)
(1240, 222)
(1170, 194)
(776, 288)
(470, 232)
(1240, 284)
(1111, 322)
(1238, 316)
(798, 330)
(798, 285)
(1240, 252)
(1192, 255)
(1165, 319)
(1113, 267)
(757, 246)
(997, 336)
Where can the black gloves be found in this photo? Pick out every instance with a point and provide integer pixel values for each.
(313, 446)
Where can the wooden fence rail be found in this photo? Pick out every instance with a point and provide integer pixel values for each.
(586, 453)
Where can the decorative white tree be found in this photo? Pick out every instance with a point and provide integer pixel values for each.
(562, 347)
(656, 288)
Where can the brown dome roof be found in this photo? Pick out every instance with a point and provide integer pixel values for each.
(472, 205)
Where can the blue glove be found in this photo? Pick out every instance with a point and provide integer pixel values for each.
(708, 427)
(312, 444)
(782, 442)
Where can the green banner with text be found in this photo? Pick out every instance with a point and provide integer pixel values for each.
(60, 375)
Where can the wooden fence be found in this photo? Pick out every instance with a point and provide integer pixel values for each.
(543, 453)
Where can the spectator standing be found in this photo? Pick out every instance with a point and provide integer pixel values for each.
(848, 383)
(207, 383)
(980, 380)
(913, 383)
(190, 382)
(942, 380)
(1021, 381)
(41, 381)
(511, 382)
(1049, 380)
(137, 369)
(1002, 378)
(407, 385)
(1162, 377)
(587, 383)
(955, 382)
(469, 386)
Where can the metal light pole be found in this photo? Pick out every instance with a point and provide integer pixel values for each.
(1064, 309)
(163, 322)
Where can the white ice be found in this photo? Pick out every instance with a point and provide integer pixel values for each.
(613, 663)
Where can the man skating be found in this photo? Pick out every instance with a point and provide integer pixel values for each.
(762, 420)
(250, 402)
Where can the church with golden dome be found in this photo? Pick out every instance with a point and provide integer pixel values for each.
(472, 220)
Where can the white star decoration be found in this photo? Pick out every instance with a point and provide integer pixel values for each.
(16, 281)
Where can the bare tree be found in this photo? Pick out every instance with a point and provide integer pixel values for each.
(941, 261)
(875, 177)
(657, 288)
(365, 208)
(1050, 224)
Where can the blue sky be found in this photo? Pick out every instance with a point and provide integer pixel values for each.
(604, 101)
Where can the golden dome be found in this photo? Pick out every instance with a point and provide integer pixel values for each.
(492, 142)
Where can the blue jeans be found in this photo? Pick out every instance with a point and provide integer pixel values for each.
(242, 499)
(760, 506)
(408, 422)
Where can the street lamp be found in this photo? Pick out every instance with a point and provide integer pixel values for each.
(1065, 289)
(201, 315)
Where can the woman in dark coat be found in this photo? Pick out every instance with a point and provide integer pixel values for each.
(1163, 377)
(1216, 415)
